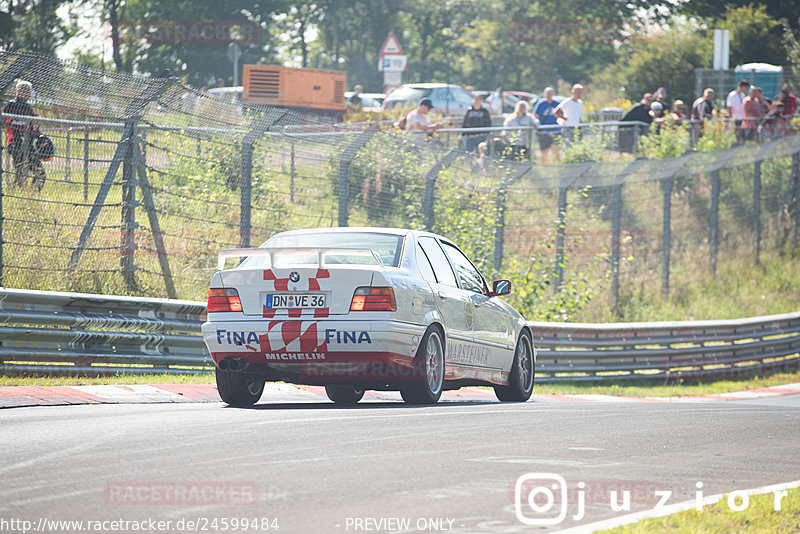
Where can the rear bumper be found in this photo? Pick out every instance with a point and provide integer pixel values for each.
(317, 351)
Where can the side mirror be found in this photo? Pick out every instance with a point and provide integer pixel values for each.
(500, 288)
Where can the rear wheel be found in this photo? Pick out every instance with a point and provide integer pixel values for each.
(426, 385)
(238, 389)
(520, 383)
(343, 395)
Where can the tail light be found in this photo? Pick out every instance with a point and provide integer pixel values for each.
(224, 300)
(373, 299)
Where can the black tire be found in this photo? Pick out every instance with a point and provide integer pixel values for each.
(238, 389)
(425, 386)
(523, 373)
(344, 396)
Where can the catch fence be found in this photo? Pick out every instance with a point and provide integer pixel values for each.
(150, 178)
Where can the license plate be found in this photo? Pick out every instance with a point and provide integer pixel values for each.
(302, 300)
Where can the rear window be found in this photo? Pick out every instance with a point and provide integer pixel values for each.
(387, 246)
(409, 93)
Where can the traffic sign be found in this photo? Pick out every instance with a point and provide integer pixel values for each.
(393, 63)
(391, 46)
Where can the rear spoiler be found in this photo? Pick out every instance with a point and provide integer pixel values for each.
(271, 251)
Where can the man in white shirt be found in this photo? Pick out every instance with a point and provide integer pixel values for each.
(417, 119)
(495, 102)
(735, 104)
(569, 111)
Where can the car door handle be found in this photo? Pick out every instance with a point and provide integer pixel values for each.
(441, 295)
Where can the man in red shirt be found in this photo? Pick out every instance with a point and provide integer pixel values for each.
(753, 112)
(789, 101)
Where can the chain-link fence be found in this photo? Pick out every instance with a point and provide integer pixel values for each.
(149, 178)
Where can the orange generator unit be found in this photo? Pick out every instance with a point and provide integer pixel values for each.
(311, 90)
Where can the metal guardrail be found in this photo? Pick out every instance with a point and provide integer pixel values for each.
(74, 334)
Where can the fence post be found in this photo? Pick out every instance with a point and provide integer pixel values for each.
(561, 230)
(500, 222)
(85, 163)
(757, 212)
(430, 186)
(666, 233)
(2, 213)
(616, 224)
(67, 158)
(291, 175)
(128, 243)
(345, 159)
(713, 238)
(794, 200)
(136, 105)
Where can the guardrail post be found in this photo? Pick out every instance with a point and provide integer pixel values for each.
(128, 243)
(666, 233)
(561, 231)
(345, 159)
(430, 186)
(757, 212)
(713, 237)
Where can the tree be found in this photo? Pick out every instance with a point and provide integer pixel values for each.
(24, 22)
(775, 9)
(666, 60)
(755, 35)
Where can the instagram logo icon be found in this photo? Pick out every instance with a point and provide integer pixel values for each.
(540, 499)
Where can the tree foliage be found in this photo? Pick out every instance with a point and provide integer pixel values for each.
(23, 23)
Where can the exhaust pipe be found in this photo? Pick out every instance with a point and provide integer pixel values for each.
(223, 365)
(232, 364)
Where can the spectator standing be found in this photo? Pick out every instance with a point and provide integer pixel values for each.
(355, 100)
(753, 113)
(628, 135)
(495, 102)
(417, 119)
(735, 105)
(518, 139)
(702, 109)
(476, 117)
(773, 124)
(789, 102)
(569, 111)
(661, 96)
(21, 136)
(544, 112)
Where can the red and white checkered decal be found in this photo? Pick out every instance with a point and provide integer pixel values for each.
(295, 336)
(282, 284)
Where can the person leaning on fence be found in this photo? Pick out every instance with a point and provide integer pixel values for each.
(476, 117)
(21, 135)
(628, 135)
(678, 114)
(789, 103)
(417, 119)
(702, 109)
(517, 139)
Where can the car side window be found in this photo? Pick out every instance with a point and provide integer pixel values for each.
(425, 265)
(468, 275)
(441, 267)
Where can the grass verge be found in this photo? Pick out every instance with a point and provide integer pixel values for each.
(759, 516)
(622, 388)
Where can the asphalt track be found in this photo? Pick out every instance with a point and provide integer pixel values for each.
(381, 466)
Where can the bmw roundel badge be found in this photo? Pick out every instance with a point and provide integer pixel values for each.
(294, 277)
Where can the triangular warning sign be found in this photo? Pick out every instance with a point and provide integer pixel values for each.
(391, 46)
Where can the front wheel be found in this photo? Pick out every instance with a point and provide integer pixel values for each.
(238, 389)
(344, 396)
(520, 383)
(426, 385)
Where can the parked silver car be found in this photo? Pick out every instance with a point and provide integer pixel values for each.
(447, 99)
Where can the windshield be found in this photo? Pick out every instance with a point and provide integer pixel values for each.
(387, 246)
(409, 93)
